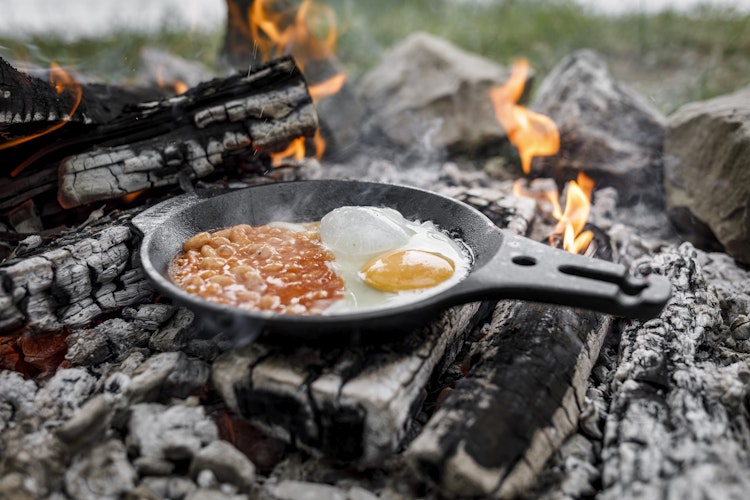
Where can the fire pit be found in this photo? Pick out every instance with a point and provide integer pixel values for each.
(110, 389)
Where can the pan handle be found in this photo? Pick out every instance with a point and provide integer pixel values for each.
(150, 219)
(528, 270)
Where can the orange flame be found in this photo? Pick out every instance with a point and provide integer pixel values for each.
(61, 80)
(295, 151)
(571, 222)
(328, 87)
(309, 34)
(178, 86)
(532, 133)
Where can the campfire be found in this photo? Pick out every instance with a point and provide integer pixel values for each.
(112, 387)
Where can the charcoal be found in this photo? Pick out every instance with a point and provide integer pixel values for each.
(168, 374)
(102, 472)
(227, 464)
(176, 334)
(149, 317)
(87, 425)
(87, 347)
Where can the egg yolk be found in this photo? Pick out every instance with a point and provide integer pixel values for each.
(402, 270)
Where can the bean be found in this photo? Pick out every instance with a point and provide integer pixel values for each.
(248, 297)
(225, 251)
(208, 251)
(197, 241)
(269, 302)
(218, 241)
(223, 233)
(213, 263)
(222, 280)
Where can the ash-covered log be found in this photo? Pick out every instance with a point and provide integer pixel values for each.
(521, 399)
(677, 423)
(352, 403)
(83, 275)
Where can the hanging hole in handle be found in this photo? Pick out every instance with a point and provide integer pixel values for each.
(524, 260)
(628, 284)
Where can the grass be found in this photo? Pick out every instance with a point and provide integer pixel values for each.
(671, 58)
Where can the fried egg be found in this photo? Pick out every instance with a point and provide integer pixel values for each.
(387, 260)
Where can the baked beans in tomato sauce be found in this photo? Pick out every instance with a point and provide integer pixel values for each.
(268, 268)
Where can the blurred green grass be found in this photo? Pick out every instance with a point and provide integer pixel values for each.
(670, 58)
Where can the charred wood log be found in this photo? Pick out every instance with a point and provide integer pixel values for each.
(355, 404)
(158, 143)
(521, 399)
(80, 277)
(29, 104)
(56, 113)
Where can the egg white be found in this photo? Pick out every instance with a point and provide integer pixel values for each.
(353, 245)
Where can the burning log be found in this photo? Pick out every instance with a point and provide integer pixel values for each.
(259, 30)
(521, 399)
(223, 122)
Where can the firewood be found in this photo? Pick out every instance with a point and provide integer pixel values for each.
(81, 276)
(351, 403)
(340, 113)
(678, 417)
(63, 114)
(163, 142)
(494, 433)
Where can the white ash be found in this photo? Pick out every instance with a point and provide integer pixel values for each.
(102, 472)
(170, 432)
